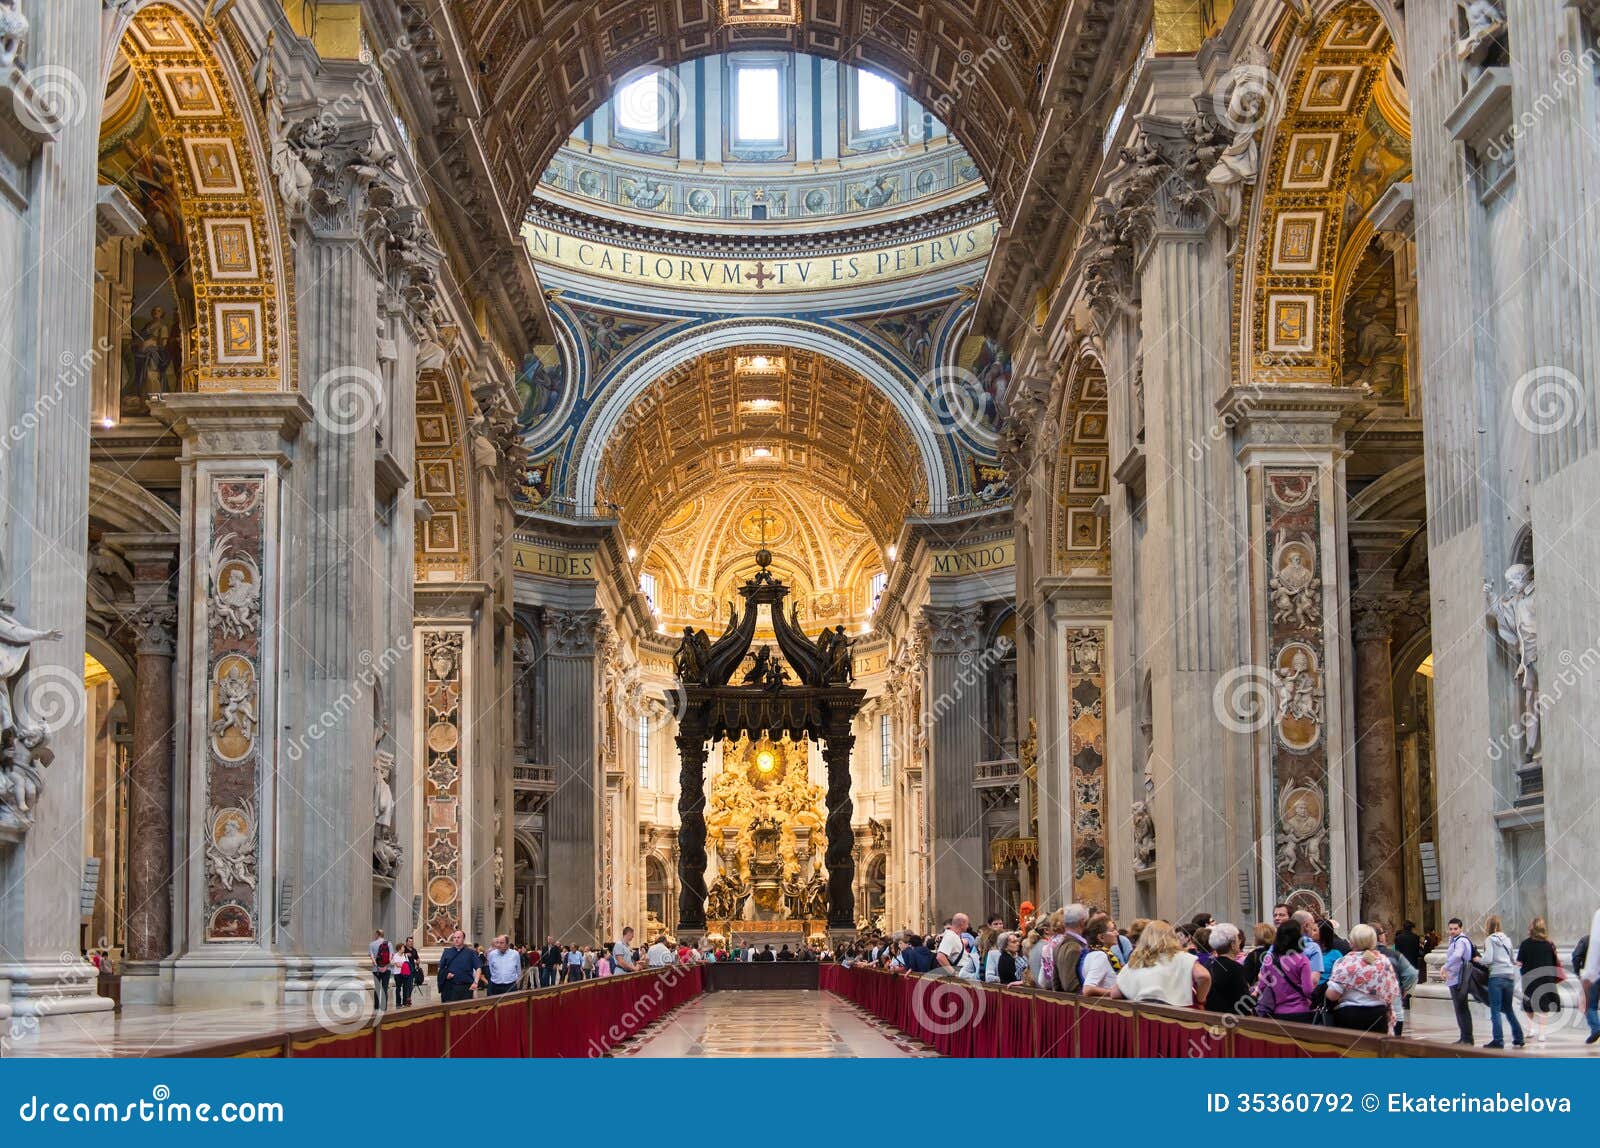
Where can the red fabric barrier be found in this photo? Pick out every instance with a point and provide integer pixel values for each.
(1056, 1022)
(420, 1037)
(488, 1029)
(359, 1045)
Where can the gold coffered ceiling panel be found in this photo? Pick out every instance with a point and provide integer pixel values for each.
(815, 424)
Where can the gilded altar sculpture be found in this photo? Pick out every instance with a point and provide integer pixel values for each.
(765, 820)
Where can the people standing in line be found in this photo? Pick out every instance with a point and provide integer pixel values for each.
(1162, 972)
(460, 969)
(1409, 945)
(504, 966)
(1362, 986)
(1458, 976)
(622, 953)
(1264, 935)
(549, 962)
(382, 967)
(1502, 961)
(404, 964)
(1541, 973)
(1404, 972)
(1230, 987)
(1103, 959)
(1287, 981)
(1067, 969)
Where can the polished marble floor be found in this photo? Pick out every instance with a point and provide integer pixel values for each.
(146, 1030)
(783, 1023)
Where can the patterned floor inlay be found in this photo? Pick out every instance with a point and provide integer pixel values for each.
(781, 1023)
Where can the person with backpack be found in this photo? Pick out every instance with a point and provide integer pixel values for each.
(382, 962)
(1502, 962)
(1458, 976)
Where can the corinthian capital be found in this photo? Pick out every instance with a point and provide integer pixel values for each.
(154, 625)
(953, 631)
(573, 633)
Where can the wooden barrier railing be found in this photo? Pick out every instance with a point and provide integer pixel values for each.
(967, 1019)
(584, 1019)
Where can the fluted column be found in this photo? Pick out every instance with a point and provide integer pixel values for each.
(47, 325)
(953, 711)
(573, 831)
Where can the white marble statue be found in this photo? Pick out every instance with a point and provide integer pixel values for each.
(1511, 617)
(13, 33)
(231, 851)
(1485, 21)
(15, 640)
(235, 591)
(1295, 588)
(1240, 161)
(382, 790)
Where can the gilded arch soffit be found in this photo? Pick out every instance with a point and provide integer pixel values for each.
(443, 478)
(1336, 147)
(243, 334)
(1083, 478)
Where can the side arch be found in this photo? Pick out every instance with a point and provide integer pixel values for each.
(898, 387)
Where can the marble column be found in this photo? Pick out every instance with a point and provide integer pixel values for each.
(841, 838)
(150, 770)
(1377, 772)
(952, 708)
(573, 835)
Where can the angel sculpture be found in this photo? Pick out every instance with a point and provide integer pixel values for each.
(230, 854)
(236, 705)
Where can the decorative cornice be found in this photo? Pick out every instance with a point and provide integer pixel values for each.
(575, 633)
(954, 631)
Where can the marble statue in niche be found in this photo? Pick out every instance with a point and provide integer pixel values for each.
(1144, 836)
(1486, 24)
(1512, 619)
(13, 33)
(386, 850)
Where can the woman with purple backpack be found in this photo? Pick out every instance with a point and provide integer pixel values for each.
(1287, 980)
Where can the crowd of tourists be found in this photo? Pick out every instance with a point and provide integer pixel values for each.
(1298, 967)
(464, 970)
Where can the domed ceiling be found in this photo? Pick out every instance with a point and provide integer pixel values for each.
(759, 139)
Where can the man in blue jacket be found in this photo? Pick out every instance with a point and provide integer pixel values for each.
(460, 969)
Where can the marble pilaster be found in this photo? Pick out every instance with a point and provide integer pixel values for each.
(47, 237)
(573, 834)
(952, 707)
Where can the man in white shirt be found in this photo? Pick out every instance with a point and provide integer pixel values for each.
(659, 955)
(948, 954)
(1590, 975)
(505, 966)
(622, 953)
